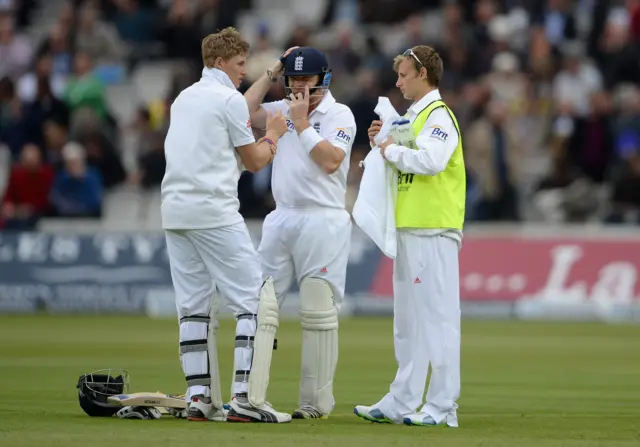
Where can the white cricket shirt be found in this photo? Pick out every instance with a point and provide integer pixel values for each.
(208, 121)
(296, 180)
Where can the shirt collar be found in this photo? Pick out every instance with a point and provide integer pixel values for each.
(326, 103)
(218, 75)
(427, 99)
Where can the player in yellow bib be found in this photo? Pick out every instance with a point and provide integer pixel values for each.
(426, 149)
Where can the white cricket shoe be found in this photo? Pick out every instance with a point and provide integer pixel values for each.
(202, 411)
(240, 410)
(371, 414)
(422, 419)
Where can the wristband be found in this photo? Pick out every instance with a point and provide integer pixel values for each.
(272, 147)
(271, 76)
(309, 138)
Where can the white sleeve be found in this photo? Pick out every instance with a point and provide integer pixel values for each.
(274, 106)
(340, 130)
(436, 143)
(239, 121)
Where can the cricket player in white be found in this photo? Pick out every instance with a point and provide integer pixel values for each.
(208, 141)
(426, 148)
(308, 235)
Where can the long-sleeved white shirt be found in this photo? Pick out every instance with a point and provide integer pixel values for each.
(436, 143)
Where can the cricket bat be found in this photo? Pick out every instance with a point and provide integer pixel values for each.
(149, 399)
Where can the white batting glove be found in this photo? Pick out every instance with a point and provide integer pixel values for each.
(402, 134)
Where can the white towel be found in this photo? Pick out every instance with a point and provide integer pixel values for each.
(374, 209)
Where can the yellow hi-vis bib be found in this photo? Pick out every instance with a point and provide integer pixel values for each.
(433, 201)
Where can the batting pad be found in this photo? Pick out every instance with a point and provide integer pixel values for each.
(214, 370)
(193, 354)
(319, 318)
(268, 312)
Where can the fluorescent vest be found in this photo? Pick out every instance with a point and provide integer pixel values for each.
(433, 201)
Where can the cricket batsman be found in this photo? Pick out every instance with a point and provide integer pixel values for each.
(308, 236)
(208, 141)
(426, 149)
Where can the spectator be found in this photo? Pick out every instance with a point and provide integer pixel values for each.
(27, 195)
(134, 23)
(15, 51)
(626, 188)
(44, 106)
(56, 133)
(11, 117)
(262, 55)
(77, 189)
(84, 89)
(153, 164)
(28, 84)
(98, 39)
(492, 154)
(575, 83)
(103, 157)
(58, 45)
(181, 34)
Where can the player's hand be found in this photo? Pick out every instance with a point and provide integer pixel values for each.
(278, 67)
(384, 145)
(299, 105)
(276, 124)
(374, 130)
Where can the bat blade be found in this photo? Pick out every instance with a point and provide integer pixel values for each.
(148, 400)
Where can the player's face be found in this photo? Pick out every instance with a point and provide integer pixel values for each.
(235, 68)
(409, 81)
(298, 83)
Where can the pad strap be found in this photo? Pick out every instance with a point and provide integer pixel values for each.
(193, 346)
(199, 379)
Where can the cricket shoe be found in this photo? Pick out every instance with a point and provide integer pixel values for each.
(242, 411)
(371, 414)
(202, 411)
(424, 420)
(308, 412)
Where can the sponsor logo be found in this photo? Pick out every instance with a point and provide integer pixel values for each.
(438, 133)
(343, 135)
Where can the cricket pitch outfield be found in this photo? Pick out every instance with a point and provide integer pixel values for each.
(523, 384)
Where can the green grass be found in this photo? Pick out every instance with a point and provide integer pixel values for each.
(524, 384)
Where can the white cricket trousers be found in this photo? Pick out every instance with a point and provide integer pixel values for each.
(426, 328)
(306, 242)
(200, 261)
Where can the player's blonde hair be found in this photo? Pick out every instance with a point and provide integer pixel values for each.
(429, 59)
(224, 44)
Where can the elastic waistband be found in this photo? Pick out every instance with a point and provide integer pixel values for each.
(306, 209)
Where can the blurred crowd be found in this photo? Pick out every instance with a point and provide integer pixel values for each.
(547, 93)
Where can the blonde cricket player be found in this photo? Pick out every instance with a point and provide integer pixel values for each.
(426, 149)
(307, 237)
(208, 141)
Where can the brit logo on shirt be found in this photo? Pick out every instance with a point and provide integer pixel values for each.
(316, 126)
(438, 133)
(290, 125)
(343, 135)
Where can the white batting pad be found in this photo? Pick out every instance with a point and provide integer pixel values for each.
(214, 370)
(268, 311)
(319, 317)
(243, 353)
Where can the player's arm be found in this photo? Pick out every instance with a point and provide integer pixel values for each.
(436, 143)
(326, 153)
(256, 93)
(254, 156)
